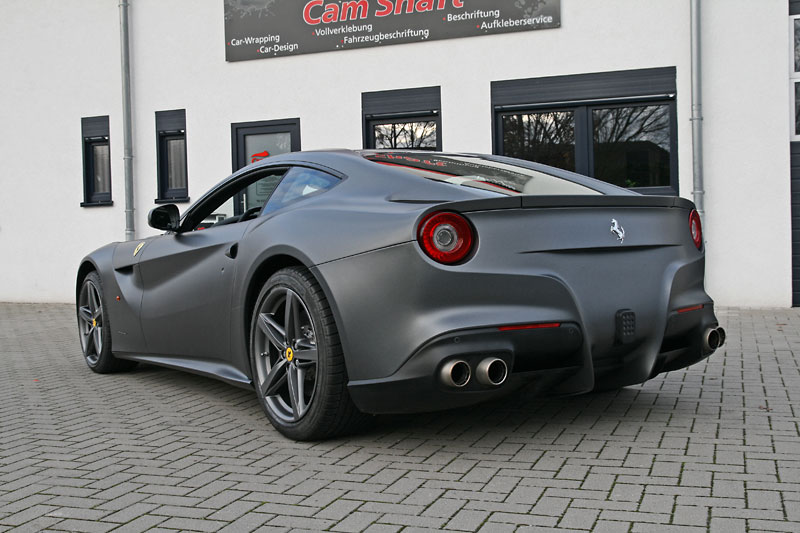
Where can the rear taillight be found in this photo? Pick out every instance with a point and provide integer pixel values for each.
(696, 229)
(446, 237)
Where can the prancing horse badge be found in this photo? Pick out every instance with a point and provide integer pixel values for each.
(617, 230)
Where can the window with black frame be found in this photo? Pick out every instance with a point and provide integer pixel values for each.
(418, 133)
(96, 162)
(606, 132)
(404, 119)
(173, 183)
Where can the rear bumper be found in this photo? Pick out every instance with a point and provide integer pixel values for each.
(541, 357)
(551, 360)
(428, 315)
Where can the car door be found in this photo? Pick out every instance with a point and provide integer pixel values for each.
(188, 275)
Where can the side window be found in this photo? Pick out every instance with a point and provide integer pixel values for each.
(299, 183)
(246, 196)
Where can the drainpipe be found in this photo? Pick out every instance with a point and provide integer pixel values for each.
(130, 230)
(697, 112)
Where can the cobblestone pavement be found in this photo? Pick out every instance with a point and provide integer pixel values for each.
(715, 447)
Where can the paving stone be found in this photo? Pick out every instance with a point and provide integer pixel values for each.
(87, 526)
(727, 525)
(690, 515)
(193, 524)
(143, 523)
(356, 522)
(444, 508)
(466, 520)
(382, 528)
(578, 518)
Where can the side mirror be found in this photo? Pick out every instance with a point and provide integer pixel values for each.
(164, 217)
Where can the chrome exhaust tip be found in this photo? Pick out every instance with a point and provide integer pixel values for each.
(455, 373)
(722, 337)
(492, 371)
(712, 339)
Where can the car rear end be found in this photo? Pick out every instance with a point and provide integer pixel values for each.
(563, 292)
(634, 268)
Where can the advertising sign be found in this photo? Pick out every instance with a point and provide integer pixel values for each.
(258, 29)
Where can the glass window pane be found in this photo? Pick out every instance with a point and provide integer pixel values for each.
(259, 192)
(547, 138)
(297, 184)
(254, 194)
(797, 45)
(491, 177)
(797, 108)
(102, 168)
(260, 145)
(176, 163)
(632, 145)
(418, 135)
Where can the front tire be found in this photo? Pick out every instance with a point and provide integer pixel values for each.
(296, 359)
(94, 329)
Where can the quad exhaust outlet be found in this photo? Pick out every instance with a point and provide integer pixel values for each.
(713, 338)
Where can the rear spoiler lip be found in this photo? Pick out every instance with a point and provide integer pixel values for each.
(549, 202)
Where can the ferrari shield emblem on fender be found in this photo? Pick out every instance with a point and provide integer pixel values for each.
(138, 247)
(617, 230)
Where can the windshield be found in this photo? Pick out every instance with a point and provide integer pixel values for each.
(479, 173)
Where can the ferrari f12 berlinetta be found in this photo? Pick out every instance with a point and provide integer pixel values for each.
(342, 283)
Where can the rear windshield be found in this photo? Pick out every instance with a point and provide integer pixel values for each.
(479, 173)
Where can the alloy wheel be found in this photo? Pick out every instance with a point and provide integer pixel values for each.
(90, 322)
(285, 349)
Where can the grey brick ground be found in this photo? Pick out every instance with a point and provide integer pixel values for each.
(712, 448)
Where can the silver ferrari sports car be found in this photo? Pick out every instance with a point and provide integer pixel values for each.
(340, 284)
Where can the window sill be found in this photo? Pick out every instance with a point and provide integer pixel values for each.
(97, 204)
(181, 200)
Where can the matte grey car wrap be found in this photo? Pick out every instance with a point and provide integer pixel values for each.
(549, 292)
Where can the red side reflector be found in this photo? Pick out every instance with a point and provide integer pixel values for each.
(692, 308)
(530, 326)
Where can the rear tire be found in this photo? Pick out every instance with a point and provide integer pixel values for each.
(94, 328)
(296, 359)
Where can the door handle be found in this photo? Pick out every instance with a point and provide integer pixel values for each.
(232, 250)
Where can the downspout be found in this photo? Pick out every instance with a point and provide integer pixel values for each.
(697, 112)
(130, 230)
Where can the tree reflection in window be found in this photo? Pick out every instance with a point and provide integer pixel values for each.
(797, 108)
(797, 45)
(417, 135)
(547, 138)
(632, 145)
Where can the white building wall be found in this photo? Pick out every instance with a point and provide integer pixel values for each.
(59, 62)
(178, 63)
(746, 137)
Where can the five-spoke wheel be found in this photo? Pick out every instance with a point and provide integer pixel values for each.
(296, 357)
(93, 328)
(286, 349)
(90, 321)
